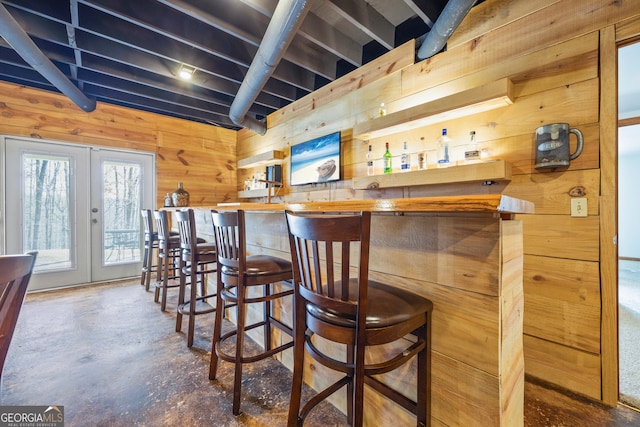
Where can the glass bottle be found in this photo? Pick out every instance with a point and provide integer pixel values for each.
(405, 159)
(382, 111)
(180, 197)
(370, 168)
(168, 202)
(443, 150)
(422, 155)
(472, 153)
(388, 168)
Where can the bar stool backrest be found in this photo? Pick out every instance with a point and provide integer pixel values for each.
(229, 228)
(162, 225)
(324, 250)
(147, 220)
(186, 223)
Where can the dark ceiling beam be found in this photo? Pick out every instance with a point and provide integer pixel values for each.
(51, 10)
(71, 36)
(140, 103)
(20, 41)
(421, 8)
(55, 32)
(248, 24)
(167, 23)
(102, 66)
(316, 31)
(367, 19)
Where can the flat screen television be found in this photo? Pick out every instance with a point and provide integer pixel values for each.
(316, 160)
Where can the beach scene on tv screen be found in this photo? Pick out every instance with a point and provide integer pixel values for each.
(317, 160)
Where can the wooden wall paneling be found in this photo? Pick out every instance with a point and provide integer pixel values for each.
(560, 21)
(512, 312)
(207, 170)
(568, 62)
(518, 122)
(573, 282)
(627, 29)
(561, 236)
(564, 366)
(488, 16)
(453, 253)
(551, 192)
(462, 395)
(388, 64)
(573, 325)
(58, 124)
(609, 214)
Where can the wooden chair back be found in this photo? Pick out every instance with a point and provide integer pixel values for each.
(330, 257)
(228, 228)
(15, 273)
(147, 221)
(162, 225)
(185, 220)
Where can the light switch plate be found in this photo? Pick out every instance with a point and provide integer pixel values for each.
(579, 206)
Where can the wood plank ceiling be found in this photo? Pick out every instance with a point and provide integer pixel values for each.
(129, 53)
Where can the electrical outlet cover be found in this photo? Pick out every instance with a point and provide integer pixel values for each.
(579, 206)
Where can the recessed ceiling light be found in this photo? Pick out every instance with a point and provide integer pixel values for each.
(186, 72)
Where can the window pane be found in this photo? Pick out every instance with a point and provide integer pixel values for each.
(46, 210)
(121, 212)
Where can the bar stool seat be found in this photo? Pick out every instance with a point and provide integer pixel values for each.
(343, 306)
(197, 261)
(244, 280)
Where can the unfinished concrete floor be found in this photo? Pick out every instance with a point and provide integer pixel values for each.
(112, 358)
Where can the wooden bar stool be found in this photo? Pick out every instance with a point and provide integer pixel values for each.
(150, 245)
(342, 305)
(169, 253)
(197, 261)
(243, 280)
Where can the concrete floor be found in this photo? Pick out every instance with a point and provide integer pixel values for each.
(112, 358)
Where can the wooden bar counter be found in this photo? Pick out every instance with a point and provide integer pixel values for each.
(465, 254)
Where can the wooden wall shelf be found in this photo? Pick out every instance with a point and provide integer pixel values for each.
(483, 98)
(495, 170)
(266, 158)
(261, 192)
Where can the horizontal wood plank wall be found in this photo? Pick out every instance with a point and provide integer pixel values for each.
(202, 157)
(476, 361)
(550, 50)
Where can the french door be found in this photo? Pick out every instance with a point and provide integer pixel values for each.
(78, 206)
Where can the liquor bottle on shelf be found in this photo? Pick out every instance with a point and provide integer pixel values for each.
(472, 153)
(382, 111)
(443, 150)
(405, 159)
(422, 155)
(388, 167)
(370, 167)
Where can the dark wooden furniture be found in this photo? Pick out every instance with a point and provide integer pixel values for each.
(335, 300)
(169, 253)
(243, 280)
(150, 246)
(197, 261)
(15, 273)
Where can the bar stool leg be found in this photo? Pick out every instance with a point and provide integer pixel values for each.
(217, 328)
(237, 382)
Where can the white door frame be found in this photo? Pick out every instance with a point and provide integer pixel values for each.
(86, 269)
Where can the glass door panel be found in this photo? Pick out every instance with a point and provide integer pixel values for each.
(44, 196)
(79, 207)
(117, 196)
